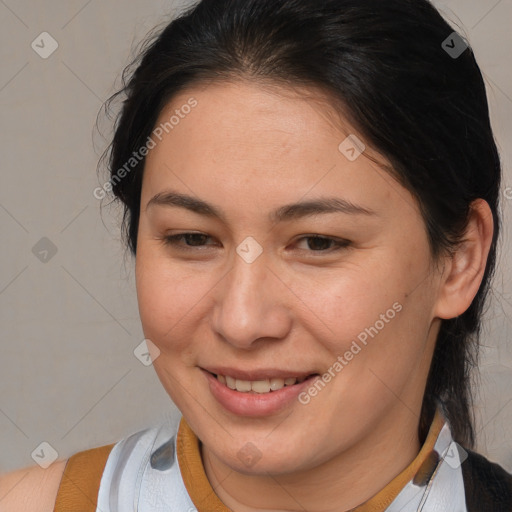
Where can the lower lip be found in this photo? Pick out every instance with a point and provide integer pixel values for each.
(255, 404)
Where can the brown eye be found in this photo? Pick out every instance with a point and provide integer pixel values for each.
(316, 243)
(195, 239)
(187, 240)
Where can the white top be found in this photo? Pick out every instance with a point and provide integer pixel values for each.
(142, 474)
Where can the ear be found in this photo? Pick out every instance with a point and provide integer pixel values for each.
(465, 268)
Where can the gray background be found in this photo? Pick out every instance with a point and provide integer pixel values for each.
(69, 325)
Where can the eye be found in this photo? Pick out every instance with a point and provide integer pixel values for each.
(317, 243)
(186, 240)
(314, 243)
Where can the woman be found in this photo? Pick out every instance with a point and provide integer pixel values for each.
(311, 196)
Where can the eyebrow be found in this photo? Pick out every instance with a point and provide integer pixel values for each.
(284, 213)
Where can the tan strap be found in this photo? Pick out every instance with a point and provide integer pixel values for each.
(192, 471)
(78, 490)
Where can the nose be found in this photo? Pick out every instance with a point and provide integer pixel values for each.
(251, 305)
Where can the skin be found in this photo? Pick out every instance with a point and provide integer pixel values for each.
(31, 489)
(248, 149)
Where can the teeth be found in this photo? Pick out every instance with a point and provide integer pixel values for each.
(261, 386)
(231, 383)
(243, 385)
(258, 386)
(276, 384)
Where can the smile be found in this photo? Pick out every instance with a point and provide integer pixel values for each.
(258, 393)
(258, 386)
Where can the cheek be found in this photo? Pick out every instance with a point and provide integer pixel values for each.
(169, 298)
(342, 303)
(378, 311)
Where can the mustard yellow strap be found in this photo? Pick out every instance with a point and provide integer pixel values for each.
(81, 479)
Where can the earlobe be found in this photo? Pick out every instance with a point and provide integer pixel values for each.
(466, 266)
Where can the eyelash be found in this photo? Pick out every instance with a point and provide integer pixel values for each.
(174, 241)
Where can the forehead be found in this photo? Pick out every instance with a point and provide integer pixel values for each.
(252, 114)
(268, 144)
(259, 97)
(242, 123)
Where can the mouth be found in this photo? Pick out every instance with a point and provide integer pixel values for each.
(260, 386)
(256, 393)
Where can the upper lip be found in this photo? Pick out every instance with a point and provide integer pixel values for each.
(259, 374)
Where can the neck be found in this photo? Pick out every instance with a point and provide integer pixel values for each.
(340, 484)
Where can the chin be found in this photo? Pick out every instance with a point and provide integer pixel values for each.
(264, 457)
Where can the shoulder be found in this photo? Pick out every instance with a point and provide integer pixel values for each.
(31, 489)
(34, 489)
(488, 486)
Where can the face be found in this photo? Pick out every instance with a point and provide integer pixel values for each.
(266, 252)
